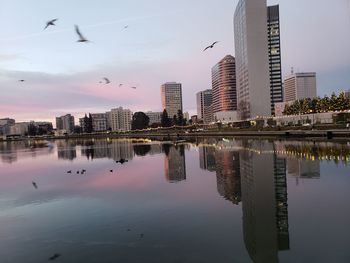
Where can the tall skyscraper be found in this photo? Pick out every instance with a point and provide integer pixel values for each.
(121, 119)
(300, 86)
(66, 123)
(171, 93)
(274, 44)
(204, 106)
(224, 85)
(252, 59)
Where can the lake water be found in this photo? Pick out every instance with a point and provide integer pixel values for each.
(211, 200)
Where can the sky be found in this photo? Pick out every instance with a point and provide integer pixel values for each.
(164, 42)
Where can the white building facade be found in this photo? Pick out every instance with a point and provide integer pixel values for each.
(299, 86)
(121, 119)
(252, 59)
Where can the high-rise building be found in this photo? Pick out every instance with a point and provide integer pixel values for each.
(66, 123)
(299, 86)
(224, 85)
(252, 59)
(171, 93)
(204, 106)
(274, 45)
(121, 119)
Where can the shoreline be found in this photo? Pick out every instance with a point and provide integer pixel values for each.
(180, 135)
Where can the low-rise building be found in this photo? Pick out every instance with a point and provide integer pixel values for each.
(154, 117)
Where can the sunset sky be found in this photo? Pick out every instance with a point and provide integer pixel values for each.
(164, 42)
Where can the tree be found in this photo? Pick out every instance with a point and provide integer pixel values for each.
(175, 120)
(180, 118)
(165, 120)
(87, 125)
(140, 121)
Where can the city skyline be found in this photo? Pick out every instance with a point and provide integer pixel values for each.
(61, 78)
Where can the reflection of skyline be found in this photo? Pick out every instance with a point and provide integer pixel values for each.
(228, 175)
(66, 150)
(225, 164)
(264, 204)
(305, 169)
(175, 164)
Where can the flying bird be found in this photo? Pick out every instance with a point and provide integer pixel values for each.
(126, 26)
(21, 80)
(35, 185)
(107, 81)
(81, 37)
(120, 85)
(50, 23)
(55, 256)
(211, 46)
(134, 87)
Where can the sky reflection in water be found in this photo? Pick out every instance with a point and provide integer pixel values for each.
(209, 201)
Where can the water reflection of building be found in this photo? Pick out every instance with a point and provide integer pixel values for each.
(116, 149)
(228, 176)
(207, 158)
(264, 203)
(280, 173)
(66, 150)
(175, 164)
(301, 168)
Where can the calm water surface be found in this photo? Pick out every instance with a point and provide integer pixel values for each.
(208, 201)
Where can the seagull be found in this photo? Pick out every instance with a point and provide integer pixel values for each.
(211, 46)
(35, 185)
(81, 37)
(21, 80)
(69, 172)
(120, 85)
(126, 26)
(50, 23)
(55, 256)
(134, 87)
(107, 80)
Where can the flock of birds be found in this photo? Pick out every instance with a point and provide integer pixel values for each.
(106, 81)
(83, 39)
(83, 171)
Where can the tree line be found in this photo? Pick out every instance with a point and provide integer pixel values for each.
(318, 105)
(141, 121)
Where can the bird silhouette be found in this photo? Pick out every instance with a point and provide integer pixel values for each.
(69, 172)
(120, 85)
(127, 26)
(50, 23)
(111, 171)
(122, 160)
(141, 235)
(211, 46)
(81, 37)
(134, 87)
(21, 80)
(55, 256)
(35, 185)
(107, 81)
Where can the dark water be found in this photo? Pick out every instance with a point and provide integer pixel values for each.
(209, 201)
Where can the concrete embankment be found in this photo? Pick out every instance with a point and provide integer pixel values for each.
(292, 134)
